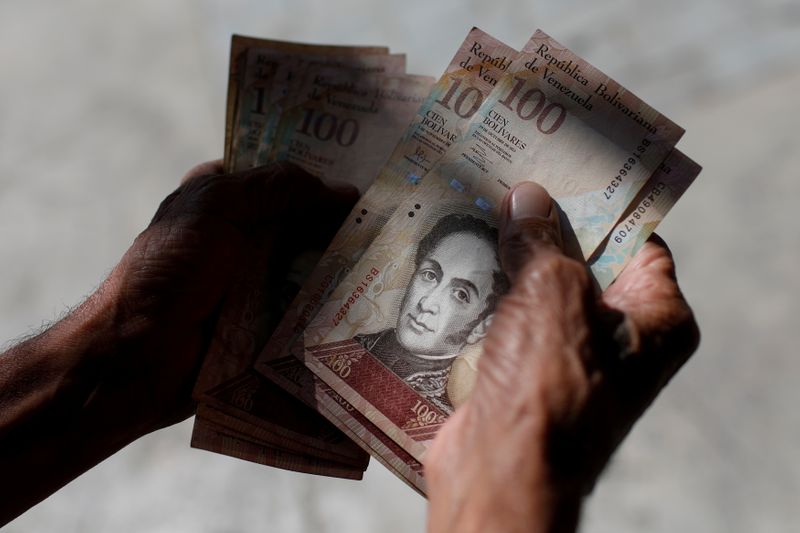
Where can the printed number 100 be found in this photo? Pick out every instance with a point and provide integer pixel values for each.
(424, 413)
(325, 126)
(536, 97)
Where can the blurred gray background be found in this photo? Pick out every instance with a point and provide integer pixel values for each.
(105, 104)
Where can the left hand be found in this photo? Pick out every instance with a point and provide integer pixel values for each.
(123, 363)
(166, 292)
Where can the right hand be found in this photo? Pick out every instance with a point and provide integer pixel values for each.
(564, 375)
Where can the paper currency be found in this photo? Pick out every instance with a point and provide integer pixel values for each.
(224, 441)
(370, 437)
(392, 318)
(441, 120)
(268, 78)
(644, 214)
(248, 316)
(423, 293)
(287, 87)
(344, 123)
(246, 322)
(479, 62)
(283, 421)
(240, 44)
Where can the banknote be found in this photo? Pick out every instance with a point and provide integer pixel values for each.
(245, 324)
(251, 401)
(210, 436)
(343, 123)
(470, 76)
(423, 293)
(232, 350)
(240, 43)
(370, 438)
(257, 73)
(646, 210)
(267, 79)
(440, 121)
(480, 67)
(245, 320)
(287, 88)
(656, 198)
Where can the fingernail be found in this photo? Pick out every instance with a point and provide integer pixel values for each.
(528, 200)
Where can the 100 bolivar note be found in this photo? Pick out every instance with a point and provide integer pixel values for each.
(270, 81)
(323, 110)
(440, 121)
(477, 65)
(388, 348)
(294, 59)
(245, 417)
(259, 71)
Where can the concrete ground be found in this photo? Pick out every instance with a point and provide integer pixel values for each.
(104, 105)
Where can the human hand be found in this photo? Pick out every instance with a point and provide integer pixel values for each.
(123, 362)
(564, 374)
(168, 289)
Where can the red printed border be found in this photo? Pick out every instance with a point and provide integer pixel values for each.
(419, 418)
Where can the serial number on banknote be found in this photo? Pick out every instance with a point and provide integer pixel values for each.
(356, 293)
(638, 213)
(633, 159)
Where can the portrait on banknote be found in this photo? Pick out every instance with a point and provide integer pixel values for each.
(447, 305)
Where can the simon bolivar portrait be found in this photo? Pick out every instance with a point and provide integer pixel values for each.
(447, 306)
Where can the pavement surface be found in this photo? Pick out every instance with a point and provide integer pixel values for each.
(105, 104)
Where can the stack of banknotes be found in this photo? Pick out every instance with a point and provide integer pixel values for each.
(379, 339)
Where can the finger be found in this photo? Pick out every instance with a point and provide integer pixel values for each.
(659, 323)
(540, 332)
(203, 169)
(542, 277)
(208, 168)
(299, 204)
(529, 227)
(283, 192)
(281, 195)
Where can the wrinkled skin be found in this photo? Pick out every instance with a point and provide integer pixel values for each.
(564, 375)
(169, 286)
(123, 363)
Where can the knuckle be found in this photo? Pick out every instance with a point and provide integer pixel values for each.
(528, 236)
(203, 169)
(165, 206)
(555, 270)
(546, 268)
(512, 310)
(287, 183)
(291, 174)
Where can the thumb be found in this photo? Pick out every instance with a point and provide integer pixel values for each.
(529, 227)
